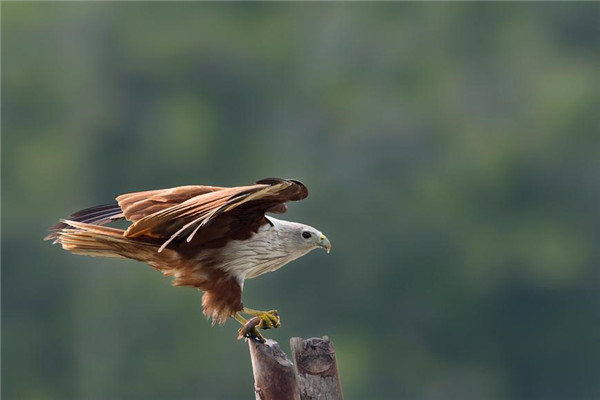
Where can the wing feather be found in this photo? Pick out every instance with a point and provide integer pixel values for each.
(175, 214)
(98, 215)
(139, 205)
(184, 220)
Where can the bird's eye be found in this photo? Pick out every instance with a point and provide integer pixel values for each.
(305, 234)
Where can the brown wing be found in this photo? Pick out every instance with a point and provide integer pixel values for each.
(138, 205)
(133, 206)
(171, 214)
(221, 215)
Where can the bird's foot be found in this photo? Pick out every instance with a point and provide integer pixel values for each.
(267, 319)
(260, 320)
(250, 330)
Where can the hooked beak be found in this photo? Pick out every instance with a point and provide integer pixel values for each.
(324, 243)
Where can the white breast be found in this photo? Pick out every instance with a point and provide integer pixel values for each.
(267, 250)
(263, 252)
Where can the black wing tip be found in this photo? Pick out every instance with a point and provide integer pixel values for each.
(275, 181)
(302, 190)
(270, 181)
(108, 207)
(97, 215)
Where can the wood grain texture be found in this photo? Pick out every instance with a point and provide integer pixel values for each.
(274, 374)
(316, 368)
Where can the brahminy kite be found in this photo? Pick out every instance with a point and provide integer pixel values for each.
(207, 237)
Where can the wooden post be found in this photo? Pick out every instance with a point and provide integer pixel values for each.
(316, 365)
(274, 375)
(315, 375)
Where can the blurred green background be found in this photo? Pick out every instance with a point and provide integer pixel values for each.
(452, 152)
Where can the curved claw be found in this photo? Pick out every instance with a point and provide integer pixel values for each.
(250, 330)
(261, 320)
(269, 320)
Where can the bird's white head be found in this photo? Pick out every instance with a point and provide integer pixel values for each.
(299, 239)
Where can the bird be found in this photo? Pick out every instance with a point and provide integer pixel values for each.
(207, 237)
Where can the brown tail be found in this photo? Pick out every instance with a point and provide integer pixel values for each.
(100, 241)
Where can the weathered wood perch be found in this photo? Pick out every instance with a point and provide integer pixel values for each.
(314, 375)
(317, 369)
(274, 375)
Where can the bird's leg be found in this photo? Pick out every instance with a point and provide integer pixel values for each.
(268, 319)
(238, 317)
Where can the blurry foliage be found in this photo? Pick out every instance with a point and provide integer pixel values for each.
(453, 156)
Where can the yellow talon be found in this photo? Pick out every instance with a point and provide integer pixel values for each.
(261, 320)
(249, 328)
(268, 319)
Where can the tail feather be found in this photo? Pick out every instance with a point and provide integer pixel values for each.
(101, 241)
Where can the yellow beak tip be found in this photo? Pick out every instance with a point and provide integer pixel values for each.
(324, 242)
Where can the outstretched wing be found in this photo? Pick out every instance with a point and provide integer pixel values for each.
(221, 215)
(132, 206)
(138, 205)
(208, 215)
